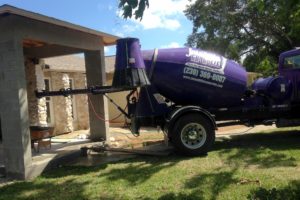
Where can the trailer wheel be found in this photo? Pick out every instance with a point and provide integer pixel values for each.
(193, 135)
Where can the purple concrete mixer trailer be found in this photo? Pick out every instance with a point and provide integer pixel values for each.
(187, 92)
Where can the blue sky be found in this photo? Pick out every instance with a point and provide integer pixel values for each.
(164, 23)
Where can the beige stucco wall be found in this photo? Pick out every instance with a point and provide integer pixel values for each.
(120, 99)
(60, 118)
(62, 106)
(81, 102)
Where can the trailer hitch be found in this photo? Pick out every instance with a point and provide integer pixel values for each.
(102, 147)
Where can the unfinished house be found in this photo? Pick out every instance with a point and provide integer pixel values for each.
(26, 38)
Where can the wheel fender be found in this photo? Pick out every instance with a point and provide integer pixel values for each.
(177, 113)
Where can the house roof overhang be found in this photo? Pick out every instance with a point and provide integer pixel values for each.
(107, 39)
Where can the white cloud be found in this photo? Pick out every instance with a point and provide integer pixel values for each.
(125, 30)
(171, 45)
(163, 14)
(129, 28)
(172, 24)
(120, 34)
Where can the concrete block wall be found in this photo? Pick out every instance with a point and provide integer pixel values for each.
(95, 73)
(0, 131)
(14, 109)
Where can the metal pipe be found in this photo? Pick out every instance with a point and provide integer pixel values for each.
(91, 90)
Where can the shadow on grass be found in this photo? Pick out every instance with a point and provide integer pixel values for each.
(141, 169)
(134, 170)
(263, 150)
(290, 192)
(179, 196)
(277, 140)
(69, 182)
(66, 171)
(211, 183)
(203, 186)
(43, 190)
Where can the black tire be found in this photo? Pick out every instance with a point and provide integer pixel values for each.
(193, 134)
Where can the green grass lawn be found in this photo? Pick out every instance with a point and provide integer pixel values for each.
(254, 166)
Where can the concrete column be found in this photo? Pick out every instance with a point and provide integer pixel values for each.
(14, 110)
(95, 73)
(0, 131)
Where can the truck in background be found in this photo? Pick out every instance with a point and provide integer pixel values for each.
(186, 91)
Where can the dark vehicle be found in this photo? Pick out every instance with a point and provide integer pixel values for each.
(186, 90)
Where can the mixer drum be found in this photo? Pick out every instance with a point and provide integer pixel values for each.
(279, 89)
(189, 76)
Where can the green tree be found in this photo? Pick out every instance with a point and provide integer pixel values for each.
(134, 8)
(256, 30)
